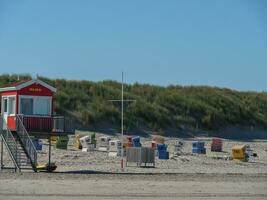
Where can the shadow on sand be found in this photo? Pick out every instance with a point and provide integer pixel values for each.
(101, 172)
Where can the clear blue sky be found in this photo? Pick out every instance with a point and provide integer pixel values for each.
(217, 42)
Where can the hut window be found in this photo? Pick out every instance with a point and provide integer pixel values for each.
(12, 105)
(42, 106)
(35, 106)
(5, 104)
(26, 106)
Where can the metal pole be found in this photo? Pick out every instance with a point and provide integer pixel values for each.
(64, 128)
(2, 148)
(122, 121)
(122, 113)
(49, 155)
(16, 158)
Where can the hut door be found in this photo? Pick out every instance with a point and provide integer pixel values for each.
(4, 111)
(8, 108)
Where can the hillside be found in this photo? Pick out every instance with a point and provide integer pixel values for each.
(157, 108)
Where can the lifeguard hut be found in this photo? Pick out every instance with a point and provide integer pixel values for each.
(27, 110)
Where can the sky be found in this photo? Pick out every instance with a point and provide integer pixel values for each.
(184, 42)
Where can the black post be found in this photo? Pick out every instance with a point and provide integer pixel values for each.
(2, 148)
(64, 124)
(16, 153)
(49, 155)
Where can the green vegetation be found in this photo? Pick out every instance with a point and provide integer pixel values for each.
(156, 108)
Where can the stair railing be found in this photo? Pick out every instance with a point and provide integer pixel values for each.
(26, 141)
(10, 143)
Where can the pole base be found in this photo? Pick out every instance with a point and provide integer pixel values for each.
(122, 166)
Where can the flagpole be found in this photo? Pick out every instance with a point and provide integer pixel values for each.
(122, 103)
(122, 116)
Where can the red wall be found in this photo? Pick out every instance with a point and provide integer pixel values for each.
(8, 93)
(11, 121)
(35, 90)
(38, 124)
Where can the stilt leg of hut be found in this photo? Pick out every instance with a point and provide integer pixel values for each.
(2, 148)
(49, 155)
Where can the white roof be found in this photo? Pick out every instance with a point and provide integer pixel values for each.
(26, 84)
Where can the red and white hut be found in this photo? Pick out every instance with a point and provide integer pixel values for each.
(32, 101)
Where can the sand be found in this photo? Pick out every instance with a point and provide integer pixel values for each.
(212, 162)
(122, 186)
(94, 175)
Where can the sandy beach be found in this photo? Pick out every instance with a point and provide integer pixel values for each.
(94, 175)
(117, 186)
(211, 162)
